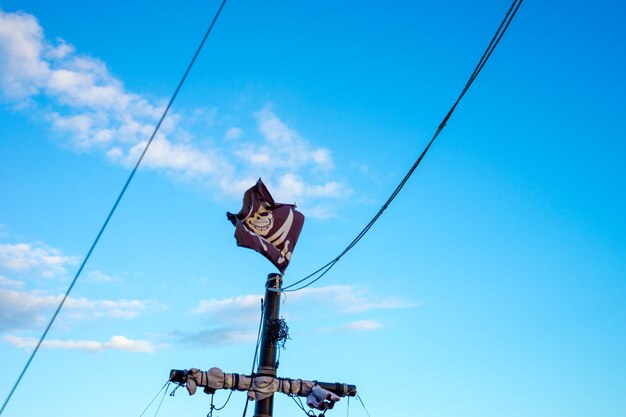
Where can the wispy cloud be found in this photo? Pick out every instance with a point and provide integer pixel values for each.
(10, 283)
(347, 299)
(213, 337)
(350, 299)
(24, 309)
(242, 308)
(99, 276)
(354, 326)
(34, 257)
(92, 108)
(115, 343)
(234, 133)
(4, 232)
(282, 144)
(235, 317)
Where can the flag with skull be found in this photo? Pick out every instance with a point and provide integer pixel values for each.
(270, 228)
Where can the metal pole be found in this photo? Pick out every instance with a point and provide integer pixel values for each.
(267, 357)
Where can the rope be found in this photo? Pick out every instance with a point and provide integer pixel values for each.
(117, 201)
(256, 352)
(358, 397)
(298, 402)
(214, 408)
(258, 338)
(227, 400)
(160, 403)
(481, 63)
(157, 394)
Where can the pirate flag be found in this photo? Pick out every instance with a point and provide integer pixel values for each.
(270, 228)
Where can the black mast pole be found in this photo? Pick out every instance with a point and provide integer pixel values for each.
(267, 357)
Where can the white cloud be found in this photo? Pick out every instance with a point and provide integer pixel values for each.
(22, 72)
(350, 299)
(346, 298)
(19, 309)
(214, 337)
(34, 257)
(182, 158)
(10, 283)
(287, 147)
(234, 133)
(99, 276)
(80, 308)
(356, 326)
(291, 187)
(319, 211)
(243, 308)
(60, 51)
(90, 107)
(235, 318)
(25, 309)
(115, 343)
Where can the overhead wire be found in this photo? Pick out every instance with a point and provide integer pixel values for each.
(495, 40)
(117, 201)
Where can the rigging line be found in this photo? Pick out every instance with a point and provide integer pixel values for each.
(358, 397)
(214, 408)
(495, 40)
(117, 201)
(160, 403)
(227, 400)
(155, 397)
(256, 352)
(258, 338)
(298, 402)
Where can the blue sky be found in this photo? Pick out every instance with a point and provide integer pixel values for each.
(492, 286)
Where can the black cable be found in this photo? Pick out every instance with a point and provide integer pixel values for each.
(117, 201)
(481, 63)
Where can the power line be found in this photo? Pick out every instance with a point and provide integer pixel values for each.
(117, 201)
(481, 63)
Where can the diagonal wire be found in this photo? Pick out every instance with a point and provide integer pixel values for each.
(117, 201)
(155, 397)
(298, 402)
(160, 402)
(358, 397)
(506, 21)
(256, 352)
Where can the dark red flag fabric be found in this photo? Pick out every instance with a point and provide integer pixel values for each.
(270, 228)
